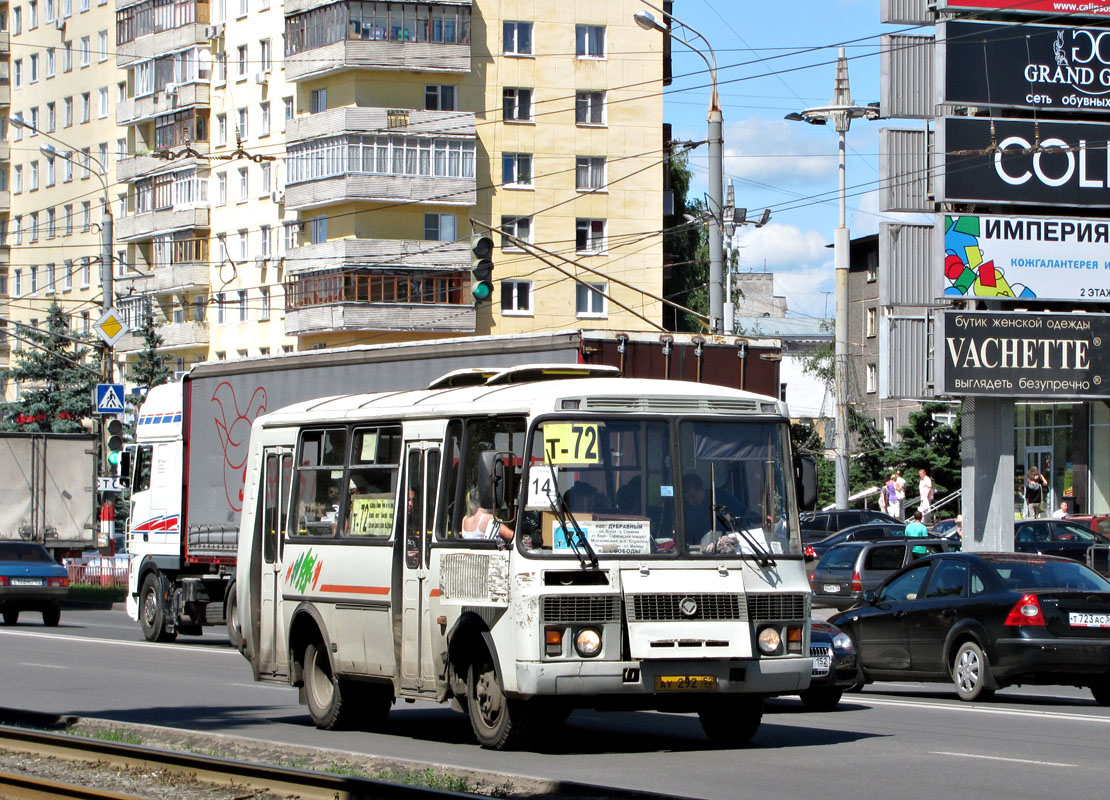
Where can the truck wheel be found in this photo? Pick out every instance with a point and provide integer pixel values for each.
(152, 610)
(231, 612)
(331, 702)
(499, 722)
(51, 616)
(731, 721)
(11, 617)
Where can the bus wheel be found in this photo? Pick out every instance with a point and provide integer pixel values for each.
(499, 722)
(327, 703)
(231, 611)
(152, 610)
(732, 721)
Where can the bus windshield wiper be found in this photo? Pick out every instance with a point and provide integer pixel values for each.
(576, 539)
(762, 556)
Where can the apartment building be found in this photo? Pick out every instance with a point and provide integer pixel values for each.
(58, 95)
(304, 175)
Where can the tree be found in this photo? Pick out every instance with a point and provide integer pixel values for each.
(58, 370)
(686, 251)
(151, 367)
(934, 446)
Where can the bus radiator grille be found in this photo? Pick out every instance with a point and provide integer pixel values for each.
(668, 607)
(770, 607)
(582, 608)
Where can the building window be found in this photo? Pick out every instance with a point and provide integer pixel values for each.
(439, 97)
(517, 39)
(86, 272)
(221, 130)
(17, 20)
(34, 68)
(86, 107)
(589, 299)
(872, 266)
(17, 275)
(67, 112)
(264, 57)
(243, 305)
(589, 41)
(86, 51)
(589, 108)
(318, 230)
(32, 15)
(888, 430)
(516, 298)
(244, 119)
(102, 46)
(34, 183)
(872, 378)
(67, 56)
(51, 66)
(17, 65)
(439, 227)
(318, 101)
(872, 321)
(86, 218)
(102, 103)
(516, 169)
(244, 252)
(221, 316)
(267, 183)
(589, 173)
(289, 232)
(520, 227)
(49, 171)
(288, 103)
(264, 128)
(17, 179)
(221, 189)
(517, 105)
(241, 54)
(51, 117)
(264, 232)
(244, 185)
(67, 275)
(34, 280)
(589, 235)
(69, 219)
(264, 305)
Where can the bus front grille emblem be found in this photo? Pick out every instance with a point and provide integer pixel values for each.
(689, 607)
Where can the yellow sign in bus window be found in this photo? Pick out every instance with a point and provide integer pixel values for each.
(371, 515)
(571, 443)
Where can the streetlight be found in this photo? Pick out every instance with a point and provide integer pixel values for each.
(841, 111)
(716, 168)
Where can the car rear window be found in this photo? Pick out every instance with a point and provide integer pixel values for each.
(839, 558)
(1036, 574)
(23, 551)
(886, 557)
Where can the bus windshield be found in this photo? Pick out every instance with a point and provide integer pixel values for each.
(689, 488)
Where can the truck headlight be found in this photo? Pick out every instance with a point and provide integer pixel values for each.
(769, 641)
(587, 642)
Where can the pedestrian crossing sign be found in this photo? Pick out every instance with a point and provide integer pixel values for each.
(109, 398)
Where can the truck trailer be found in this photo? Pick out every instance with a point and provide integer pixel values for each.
(189, 458)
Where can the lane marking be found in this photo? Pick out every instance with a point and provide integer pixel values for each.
(42, 666)
(116, 642)
(1001, 758)
(982, 709)
(261, 685)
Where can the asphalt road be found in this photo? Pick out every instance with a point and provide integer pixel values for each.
(892, 740)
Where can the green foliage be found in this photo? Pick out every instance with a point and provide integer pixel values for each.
(925, 443)
(427, 778)
(59, 370)
(686, 250)
(152, 367)
(85, 593)
(106, 734)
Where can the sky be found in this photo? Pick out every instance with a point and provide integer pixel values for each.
(774, 58)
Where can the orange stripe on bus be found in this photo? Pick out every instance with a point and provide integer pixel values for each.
(336, 587)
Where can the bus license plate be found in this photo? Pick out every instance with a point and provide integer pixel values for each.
(685, 683)
(26, 581)
(1089, 620)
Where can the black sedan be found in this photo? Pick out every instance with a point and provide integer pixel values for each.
(857, 533)
(986, 621)
(1055, 537)
(834, 666)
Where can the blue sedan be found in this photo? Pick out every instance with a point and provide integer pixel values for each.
(30, 580)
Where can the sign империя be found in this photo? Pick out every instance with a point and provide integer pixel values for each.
(1040, 162)
(1024, 258)
(1052, 67)
(1017, 354)
(1076, 8)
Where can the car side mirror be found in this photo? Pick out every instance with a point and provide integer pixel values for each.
(870, 596)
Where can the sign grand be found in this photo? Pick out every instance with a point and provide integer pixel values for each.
(1024, 354)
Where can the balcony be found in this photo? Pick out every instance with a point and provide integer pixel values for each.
(5, 43)
(145, 225)
(128, 169)
(184, 96)
(5, 151)
(349, 300)
(5, 256)
(5, 93)
(379, 253)
(175, 336)
(176, 278)
(5, 201)
(324, 38)
(155, 44)
(400, 122)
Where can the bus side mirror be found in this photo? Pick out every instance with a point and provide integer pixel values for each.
(805, 475)
(496, 483)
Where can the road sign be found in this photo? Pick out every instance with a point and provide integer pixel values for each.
(111, 326)
(109, 398)
(108, 485)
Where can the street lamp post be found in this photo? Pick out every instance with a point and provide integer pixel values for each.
(716, 168)
(841, 111)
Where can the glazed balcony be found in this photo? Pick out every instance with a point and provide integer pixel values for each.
(375, 299)
(133, 167)
(5, 151)
(182, 97)
(145, 30)
(5, 92)
(411, 254)
(326, 38)
(5, 257)
(144, 225)
(5, 201)
(175, 336)
(5, 43)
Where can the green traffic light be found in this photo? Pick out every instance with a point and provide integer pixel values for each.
(483, 291)
(113, 458)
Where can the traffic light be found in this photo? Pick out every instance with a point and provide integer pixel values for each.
(113, 439)
(481, 268)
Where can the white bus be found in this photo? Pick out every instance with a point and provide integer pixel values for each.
(526, 542)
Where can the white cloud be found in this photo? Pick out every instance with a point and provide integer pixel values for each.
(776, 246)
(777, 152)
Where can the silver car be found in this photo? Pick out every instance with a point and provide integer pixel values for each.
(847, 570)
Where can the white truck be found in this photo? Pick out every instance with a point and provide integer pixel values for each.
(47, 483)
(190, 453)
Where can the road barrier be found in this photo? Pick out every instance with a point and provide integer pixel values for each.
(98, 570)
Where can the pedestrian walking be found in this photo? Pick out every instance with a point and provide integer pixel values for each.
(925, 492)
(893, 501)
(917, 529)
(1035, 486)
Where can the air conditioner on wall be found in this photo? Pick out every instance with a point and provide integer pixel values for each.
(278, 196)
(170, 89)
(214, 31)
(261, 77)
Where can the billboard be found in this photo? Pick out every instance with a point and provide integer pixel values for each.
(1027, 66)
(1024, 258)
(1018, 354)
(1055, 8)
(1039, 162)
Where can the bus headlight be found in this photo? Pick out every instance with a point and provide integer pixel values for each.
(587, 642)
(769, 641)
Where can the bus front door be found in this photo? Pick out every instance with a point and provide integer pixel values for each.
(421, 477)
(277, 478)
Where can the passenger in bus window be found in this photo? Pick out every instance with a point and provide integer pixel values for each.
(479, 522)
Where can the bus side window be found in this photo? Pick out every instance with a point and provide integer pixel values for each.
(320, 472)
(472, 503)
